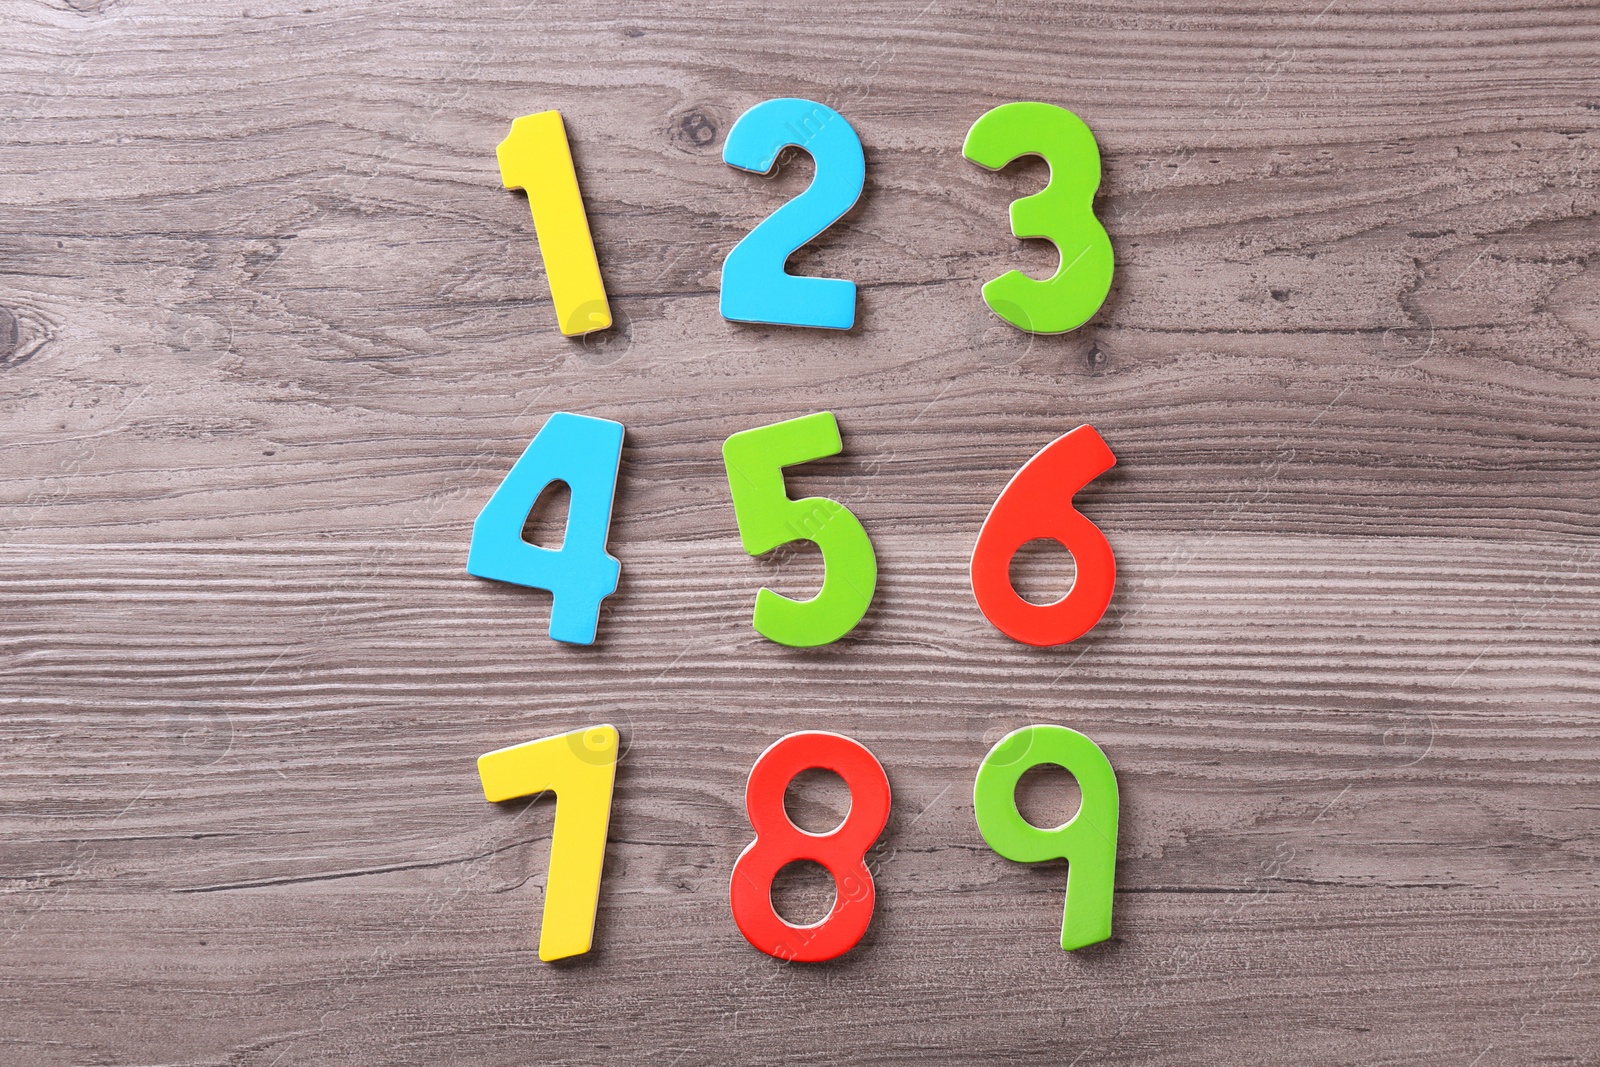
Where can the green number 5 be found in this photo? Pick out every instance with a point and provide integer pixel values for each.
(1062, 213)
(768, 518)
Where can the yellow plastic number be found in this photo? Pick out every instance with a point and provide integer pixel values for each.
(580, 767)
(536, 158)
(1062, 213)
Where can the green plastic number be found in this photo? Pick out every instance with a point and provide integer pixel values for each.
(1088, 841)
(1062, 213)
(768, 518)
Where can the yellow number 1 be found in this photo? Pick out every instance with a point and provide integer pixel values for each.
(580, 767)
(536, 158)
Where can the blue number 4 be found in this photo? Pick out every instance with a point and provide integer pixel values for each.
(755, 287)
(583, 452)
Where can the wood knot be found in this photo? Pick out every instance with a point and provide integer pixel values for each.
(694, 128)
(10, 335)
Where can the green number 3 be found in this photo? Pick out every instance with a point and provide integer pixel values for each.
(768, 518)
(1062, 213)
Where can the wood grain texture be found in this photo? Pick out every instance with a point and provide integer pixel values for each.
(271, 331)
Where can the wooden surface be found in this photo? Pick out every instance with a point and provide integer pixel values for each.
(271, 332)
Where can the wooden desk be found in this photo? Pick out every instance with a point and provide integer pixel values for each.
(271, 332)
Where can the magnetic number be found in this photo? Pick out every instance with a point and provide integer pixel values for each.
(755, 286)
(1087, 841)
(1037, 503)
(580, 767)
(536, 158)
(767, 518)
(584, 453)
(1062, 213)
(780, 842)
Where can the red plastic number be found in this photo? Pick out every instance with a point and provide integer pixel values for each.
(779, 842)
(1036, 504)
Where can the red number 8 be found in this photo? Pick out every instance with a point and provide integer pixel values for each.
(779, 842)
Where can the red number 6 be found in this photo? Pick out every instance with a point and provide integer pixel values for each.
(1038, 503)
(779, 842)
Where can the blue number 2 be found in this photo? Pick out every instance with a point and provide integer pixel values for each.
(583, 452)
(755, 287)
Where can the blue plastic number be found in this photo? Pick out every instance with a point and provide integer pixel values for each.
(583, 452)
(755, 287)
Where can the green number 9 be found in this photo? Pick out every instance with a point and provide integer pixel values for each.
(1062, 213)
(1087, 841)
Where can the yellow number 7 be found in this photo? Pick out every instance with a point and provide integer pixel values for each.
(580, 767)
